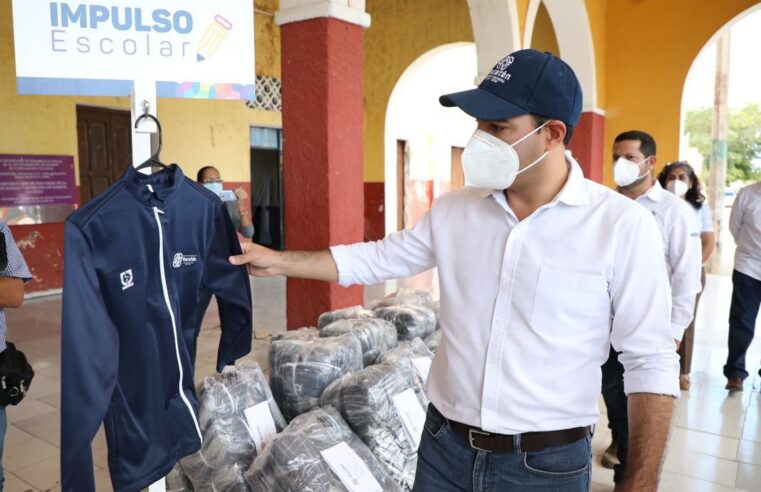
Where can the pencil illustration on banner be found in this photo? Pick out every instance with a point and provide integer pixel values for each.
(213, 38)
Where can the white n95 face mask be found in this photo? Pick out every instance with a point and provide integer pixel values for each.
(626, 172)
(216, 188)
(489, 162)
(678, 187)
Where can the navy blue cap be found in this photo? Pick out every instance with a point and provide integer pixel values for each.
(527, 81)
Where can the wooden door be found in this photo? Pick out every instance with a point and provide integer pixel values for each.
(105, 148)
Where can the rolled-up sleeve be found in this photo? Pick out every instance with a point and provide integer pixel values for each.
(401, 254)
(641, 303)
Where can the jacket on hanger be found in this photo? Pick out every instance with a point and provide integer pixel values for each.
(136, 259)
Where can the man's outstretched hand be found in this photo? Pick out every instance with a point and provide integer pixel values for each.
(265, 262)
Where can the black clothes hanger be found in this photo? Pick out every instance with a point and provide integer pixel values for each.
(154, 160)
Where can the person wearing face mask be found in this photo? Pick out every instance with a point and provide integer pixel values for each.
(680, 179)
(209, 177)
(633, 162)
(539, 272)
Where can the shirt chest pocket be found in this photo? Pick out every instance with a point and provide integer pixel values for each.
(567, 303)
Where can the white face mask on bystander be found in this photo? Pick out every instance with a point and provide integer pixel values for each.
(626, 172)
(678, 187)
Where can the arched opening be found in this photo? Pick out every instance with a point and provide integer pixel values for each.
(422, 138)
(732, 91)
(544, 37)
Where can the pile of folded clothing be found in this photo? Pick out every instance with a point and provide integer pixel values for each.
(375, 335)
(228, 446)
(296, 460)
(369, 402)
(301, 369)
(354, 312)
(411, 321)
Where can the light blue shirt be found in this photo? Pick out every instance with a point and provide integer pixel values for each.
(16, 268)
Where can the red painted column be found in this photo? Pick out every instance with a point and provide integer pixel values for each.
(588, 144)
(323, 170)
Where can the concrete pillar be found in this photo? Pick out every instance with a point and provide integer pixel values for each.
(588, 144)
(323, 131)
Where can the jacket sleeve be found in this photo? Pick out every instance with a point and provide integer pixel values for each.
(89, 362)
(231, 286)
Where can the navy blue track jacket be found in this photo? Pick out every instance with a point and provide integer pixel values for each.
(136, 259)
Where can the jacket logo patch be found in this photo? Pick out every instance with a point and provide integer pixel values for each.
(128, 280)
(179, 260)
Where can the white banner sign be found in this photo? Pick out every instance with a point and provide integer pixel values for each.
(192, 48)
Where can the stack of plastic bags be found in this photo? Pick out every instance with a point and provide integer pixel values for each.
(229, 429)
(301, 369)
(385, 406)
(433, 340)
(305, 457)
(375, 335)
(306, 333)
(354, 312)
(177, 481)
(409, 297)
(411, 321)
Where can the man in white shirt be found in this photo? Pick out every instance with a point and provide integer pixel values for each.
(540, 270)
(634, 158)
(745, 226)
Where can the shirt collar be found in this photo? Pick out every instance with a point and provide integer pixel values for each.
(574, 192)
(655, 193)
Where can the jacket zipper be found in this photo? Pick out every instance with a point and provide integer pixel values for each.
(156, 213)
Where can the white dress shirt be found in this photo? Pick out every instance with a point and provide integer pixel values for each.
(704, 217)
(682, 249)
(745, 226)
(529, 308)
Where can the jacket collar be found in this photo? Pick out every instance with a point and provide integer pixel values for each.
(164, 183)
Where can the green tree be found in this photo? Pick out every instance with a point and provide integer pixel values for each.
(743, 142)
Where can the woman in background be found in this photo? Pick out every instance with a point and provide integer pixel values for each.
(680, 178)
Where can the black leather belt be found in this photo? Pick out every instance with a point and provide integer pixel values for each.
(530, 441)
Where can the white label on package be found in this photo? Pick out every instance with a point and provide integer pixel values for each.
(422, 367)
(412, 414)
(351, 470)
(261, 425)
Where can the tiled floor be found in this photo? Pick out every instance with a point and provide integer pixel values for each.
(715, 442)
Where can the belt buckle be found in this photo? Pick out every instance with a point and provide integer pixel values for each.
(472, 438)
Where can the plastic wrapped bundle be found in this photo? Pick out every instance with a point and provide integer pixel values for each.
(294, 461)
(228, 445)
(367, 400)
(301, 369)
(410, 321)
(410, 349)
(354, 312)
(407, 296)
(433, 340)
(375, 335)
(177, 481)
(205, 472)
(306, 333)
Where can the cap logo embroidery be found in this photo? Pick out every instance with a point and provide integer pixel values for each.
(499, 73)
(180, 259)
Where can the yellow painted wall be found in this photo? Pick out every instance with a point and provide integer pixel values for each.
(543, 37)
(650, 46)
(196, 132)
(401, 31)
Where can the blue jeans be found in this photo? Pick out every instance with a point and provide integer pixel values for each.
(746, 298)
(447, 463)
(3, 428)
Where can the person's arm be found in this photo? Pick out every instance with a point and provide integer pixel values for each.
(684, 254)
(400, 255)
(707, 245)
(649, 420)
(15, 273)
(11, 292)
(736, 215)
(245, 226)
(641, 331)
